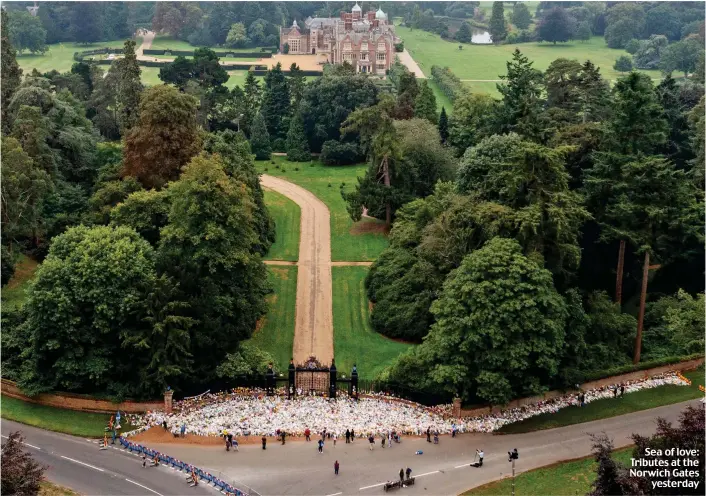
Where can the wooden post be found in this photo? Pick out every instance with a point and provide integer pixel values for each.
(641, 315)
(619, 275)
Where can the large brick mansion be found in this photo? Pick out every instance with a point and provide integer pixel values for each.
(367, 42)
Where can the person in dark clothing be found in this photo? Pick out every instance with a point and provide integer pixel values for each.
(622, 389)
(428, 435)
(615, 392)
(401, 475)
(352, 435)
(264, 442)
(164, 424)
(227, 444)
(348, 436)
(335, 467)
(284, 434)
(230, 439)
(307, 434)
(409, 472)
(321, 446)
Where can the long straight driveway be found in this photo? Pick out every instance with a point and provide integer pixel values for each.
(313, 330)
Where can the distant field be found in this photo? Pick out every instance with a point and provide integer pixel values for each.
(350, 241)
(161, 42)
(354, 340)
(60, 56)
(287, 217)
(488, 62)
(275, 332)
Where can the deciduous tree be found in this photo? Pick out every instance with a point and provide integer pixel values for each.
(25, 32)
(521, 16)
(556, 25)
(20, 473)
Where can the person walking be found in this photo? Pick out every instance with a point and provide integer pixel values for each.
(335, 467)
(183, 429)
(622, 390)
(453, 430)
(401, 475)
(335, 438)
(389, 438)
(615, 392)
(352, 435)
(428, 434)
(144, 460)
(383, 441)
(264, 442)
(409, 472)
(307, 434)
(321, 446)
(284, 434)
(348, 436)
(371, 440)
(481, 454)
(230, 439)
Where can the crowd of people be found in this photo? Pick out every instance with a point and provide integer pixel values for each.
(252, 413)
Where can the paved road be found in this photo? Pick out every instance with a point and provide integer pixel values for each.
(79, 464)
(313, 330)
(297, 468)
(406, 59)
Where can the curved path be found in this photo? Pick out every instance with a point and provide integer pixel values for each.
(313, 330)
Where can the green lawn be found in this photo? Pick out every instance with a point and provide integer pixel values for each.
(350, 241)
(275, 332)
(600, 409)
(72, 422)
(287, 216)
(60, 56)
(560, 479)
(441, 99)
(162, 42)
(486, 62)
(14, 293)
(354, 341)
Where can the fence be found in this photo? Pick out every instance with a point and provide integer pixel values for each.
(189, 53)
(218, 482)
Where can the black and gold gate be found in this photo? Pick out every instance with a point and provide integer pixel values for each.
(313, 378)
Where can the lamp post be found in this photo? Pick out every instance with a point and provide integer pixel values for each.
(237, 121)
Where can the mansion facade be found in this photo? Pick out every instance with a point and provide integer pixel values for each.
(367, 42)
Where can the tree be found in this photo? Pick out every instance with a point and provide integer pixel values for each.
(521, 16)
(260, 139)
(583, 31)
(663, 19)
(297, 145)
(166, 117)
(178, 72)
(425, 105)
(556, 25)
(237, 36)
(497, 27)
(632, 46)
(276, 103)
(10, 72)
(623, 63)
(296, 83)
(677, 147)
(211, 259)
(251, 101)
(497, 295)
(608, 472)
(25, 32)
(464, 33)
(24, 185)
(681, 56)
(248, 361)
(563, 82)
(674, 326)
(472, 120)
(522, 104)
(87, 23)
(698, 141)
(144, 211)
(407, 91)
(129, 88)
(443, 126)
(20, 473)
(649, 53)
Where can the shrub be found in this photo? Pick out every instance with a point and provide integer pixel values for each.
(623, 63)
(399, 47)
(448, 82)
(334, 152)
(632, 46)
(285, 48)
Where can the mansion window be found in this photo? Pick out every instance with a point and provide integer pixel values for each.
(363, 56)
(381, 67)
(364, 47)
(381, 46)
(347, 46)
(380, 56)
(347, 56)
(293, 45)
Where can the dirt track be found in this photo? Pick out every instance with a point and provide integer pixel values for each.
(313, 330)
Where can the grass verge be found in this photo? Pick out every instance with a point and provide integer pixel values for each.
(14, 293)
(559, 479)
(275, 331)
(287, 215)
(47, 488)
(350, 241)
(72, 422)
(610, 407)
(354, 341)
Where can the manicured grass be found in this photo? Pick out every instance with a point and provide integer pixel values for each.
(354, 341)
(161, 42)
(14, 293)
(441, 99)
(47, 488)
(60, 56)
(350, 241)
(486, 62)
(275, 332)
(287, 217)
(72, 422)
(612, 407)
(560, 479)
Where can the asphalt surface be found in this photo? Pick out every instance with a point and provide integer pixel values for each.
(443, 469)
(79, 464)
(297, 468)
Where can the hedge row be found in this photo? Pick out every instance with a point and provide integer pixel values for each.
(78, 56)
(190, 53)
(448, 82)
(626, 369)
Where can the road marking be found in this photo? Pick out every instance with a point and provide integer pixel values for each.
(26, 444)
(428, 473)
(374, 485)
(81, 463)
(143, 487)
(461, 466)
(334, 494)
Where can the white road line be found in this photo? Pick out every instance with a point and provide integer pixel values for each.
(374, 485)
(461, 466)
(428, 473)
(81, 463)
(143, 487)
(26, 444)
(334, 494)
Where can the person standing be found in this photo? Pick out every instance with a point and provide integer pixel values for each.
(348, 436)
(284, 434)
(307, 434)
(622, 389)
(409, 472)
(321, 446)
(480, 457)
(335, 467)
(383, 441)
(371, 441)
(264, 442)
(401, 475)
(428, 434)
(183, 429)
(615, 392)
(352, 435)
(335, 438)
